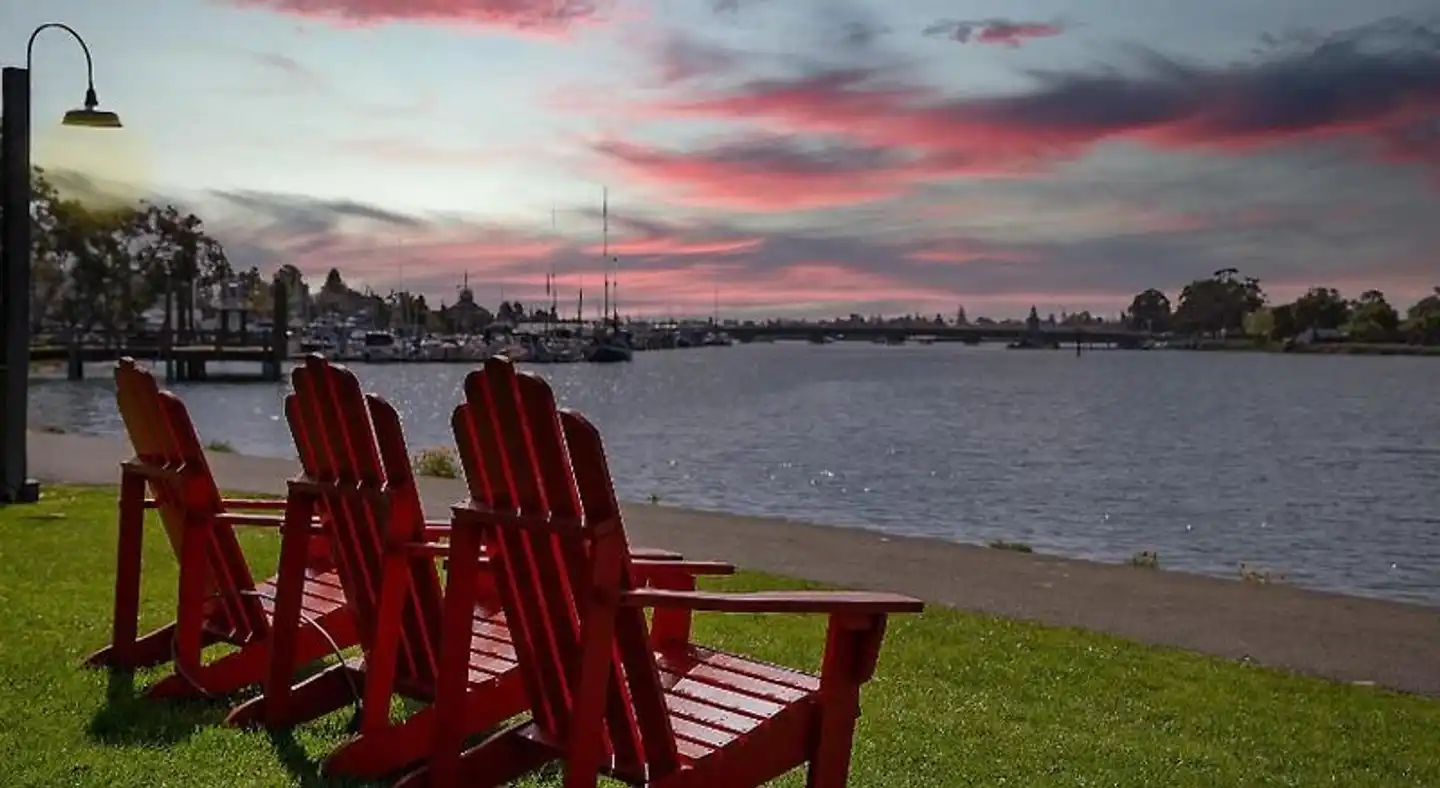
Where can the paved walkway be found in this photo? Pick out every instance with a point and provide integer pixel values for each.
(1340, 637)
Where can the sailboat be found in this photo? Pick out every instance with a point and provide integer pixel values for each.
(611, 344)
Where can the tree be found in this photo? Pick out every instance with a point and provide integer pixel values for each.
(960, 319)
(296, 290)
(178, 260)
(47, 279)
(103, 266)
(1372, 318)
(334, 283)
(1218, 304)
(1150, 311)
(1422, 323)
(1282, 323)
(1260, 323)
(1321, 308)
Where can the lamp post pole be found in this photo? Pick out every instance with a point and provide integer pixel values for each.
(15, 288)
(15, 197)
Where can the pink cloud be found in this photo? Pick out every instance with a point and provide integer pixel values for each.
(543, 17)
(774, 174)
(951, 253)
(656, 245)
(752, 183)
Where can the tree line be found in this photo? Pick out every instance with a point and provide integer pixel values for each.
(100, 267)
(1228, 304)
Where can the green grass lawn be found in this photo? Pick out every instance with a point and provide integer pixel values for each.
(960, 699)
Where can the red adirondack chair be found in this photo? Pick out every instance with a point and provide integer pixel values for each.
(605, 697)
(357, 475)
(218, 599)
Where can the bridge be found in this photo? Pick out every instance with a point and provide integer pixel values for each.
(972, 334)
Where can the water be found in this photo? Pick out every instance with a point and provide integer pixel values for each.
(1326, 469)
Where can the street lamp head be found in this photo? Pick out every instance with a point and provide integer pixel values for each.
(90, 117)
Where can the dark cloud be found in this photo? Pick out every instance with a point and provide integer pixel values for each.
(683, 58)
(1373, 84)
(1004, 32)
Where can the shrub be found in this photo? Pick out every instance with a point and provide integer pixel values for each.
(439, 462)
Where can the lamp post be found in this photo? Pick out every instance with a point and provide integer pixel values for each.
(15, 249)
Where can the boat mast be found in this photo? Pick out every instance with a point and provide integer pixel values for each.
(605, 248)
(550, 288)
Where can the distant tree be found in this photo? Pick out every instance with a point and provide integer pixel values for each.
(960, 319)
(1282, 322)
(1150, 311)
(1321, 308)
(1373, 319)
(334, 283)
(1260, 323)
(1422, 323)
(1219, 304)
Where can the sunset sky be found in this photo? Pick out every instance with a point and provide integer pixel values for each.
(800, 157)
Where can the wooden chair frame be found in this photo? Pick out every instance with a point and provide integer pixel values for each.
(357, 478)
(607, 697)
(218, 600)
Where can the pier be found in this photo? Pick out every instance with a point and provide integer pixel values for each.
(185, 354)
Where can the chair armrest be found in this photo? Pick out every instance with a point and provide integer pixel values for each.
(271, 504)
(654, 553)
(643, 566)
(832, 602)
(238, 518)
(432, 549)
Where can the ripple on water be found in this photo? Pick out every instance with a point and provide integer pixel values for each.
(1322, 469)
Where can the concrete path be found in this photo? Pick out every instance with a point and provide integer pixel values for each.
(1344, 638)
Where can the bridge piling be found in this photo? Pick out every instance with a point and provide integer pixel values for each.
(74, 362)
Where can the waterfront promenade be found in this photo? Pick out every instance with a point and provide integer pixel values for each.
(1344, 638)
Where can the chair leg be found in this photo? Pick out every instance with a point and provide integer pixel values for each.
(851, 645)
(830, 759)
(499, 760)
(376, 753)
(124, 651)
(322, 693)
(146, 651)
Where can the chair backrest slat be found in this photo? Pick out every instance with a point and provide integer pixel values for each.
(355, 444)
(547, 574)
(638, 676)
(164, 438)
(543, 651)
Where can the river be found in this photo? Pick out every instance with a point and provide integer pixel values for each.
(1323, 469)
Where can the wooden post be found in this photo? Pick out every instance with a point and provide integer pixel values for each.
(75, 360)
(167, 338)
(279, 331)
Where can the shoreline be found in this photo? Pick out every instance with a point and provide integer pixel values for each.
(1371, 349)
(1337, 636)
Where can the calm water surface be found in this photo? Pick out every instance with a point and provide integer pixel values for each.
(1325, 469)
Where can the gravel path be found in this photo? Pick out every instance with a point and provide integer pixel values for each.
(1340, 637)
